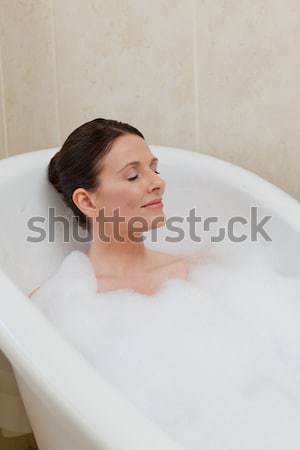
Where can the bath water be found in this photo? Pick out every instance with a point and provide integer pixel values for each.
(213, 360)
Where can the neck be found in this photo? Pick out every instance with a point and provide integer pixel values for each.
(119, 258)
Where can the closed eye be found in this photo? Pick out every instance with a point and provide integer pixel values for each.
(135, 177)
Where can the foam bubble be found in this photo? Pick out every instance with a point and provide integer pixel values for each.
(213, 360)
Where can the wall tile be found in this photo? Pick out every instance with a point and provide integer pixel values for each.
(127, 60)
(249, 83)
(3, 153)
(27, 57)
(130, 61)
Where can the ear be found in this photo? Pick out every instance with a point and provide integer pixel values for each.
(85, 201)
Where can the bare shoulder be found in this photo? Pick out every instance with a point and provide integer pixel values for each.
(179, 258)
(180, 263)
(33, 292)
(163, 259)
(168, 260)
(202, 258)
(189, 260)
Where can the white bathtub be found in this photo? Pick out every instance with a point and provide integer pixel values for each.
(68, 404)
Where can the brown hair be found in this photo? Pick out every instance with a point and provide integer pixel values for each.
(78, 162)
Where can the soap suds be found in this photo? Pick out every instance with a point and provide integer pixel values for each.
(213, 360)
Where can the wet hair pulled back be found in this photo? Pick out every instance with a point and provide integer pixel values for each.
(78, 162)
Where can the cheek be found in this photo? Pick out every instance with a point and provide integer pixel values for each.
(125, 196)
(131, 196)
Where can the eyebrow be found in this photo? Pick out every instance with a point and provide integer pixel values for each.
(136, 163)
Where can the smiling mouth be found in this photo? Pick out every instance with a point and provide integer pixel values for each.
(155, 204)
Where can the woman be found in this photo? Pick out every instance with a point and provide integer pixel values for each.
(106, 173)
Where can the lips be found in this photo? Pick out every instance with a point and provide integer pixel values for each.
(153, 202)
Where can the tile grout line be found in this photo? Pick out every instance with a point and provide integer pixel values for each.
(4, 120)
(56, 91)
(195, 64)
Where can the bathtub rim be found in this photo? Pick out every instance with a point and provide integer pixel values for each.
(272, 196)
(106, 405)
(17, 350)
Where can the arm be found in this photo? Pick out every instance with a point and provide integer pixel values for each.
(31, 293)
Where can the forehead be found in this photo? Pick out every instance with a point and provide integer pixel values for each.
(126, 149)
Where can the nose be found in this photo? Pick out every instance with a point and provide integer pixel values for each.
(156, 183)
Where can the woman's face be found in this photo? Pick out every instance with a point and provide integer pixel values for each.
(128, 181)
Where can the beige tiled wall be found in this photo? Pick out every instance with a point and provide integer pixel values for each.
(249, 86)
(220, 77)
(129, 60)
(3, 146)
(28, 80)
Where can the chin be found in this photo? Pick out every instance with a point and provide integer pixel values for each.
(148, 222)
(157, 221)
